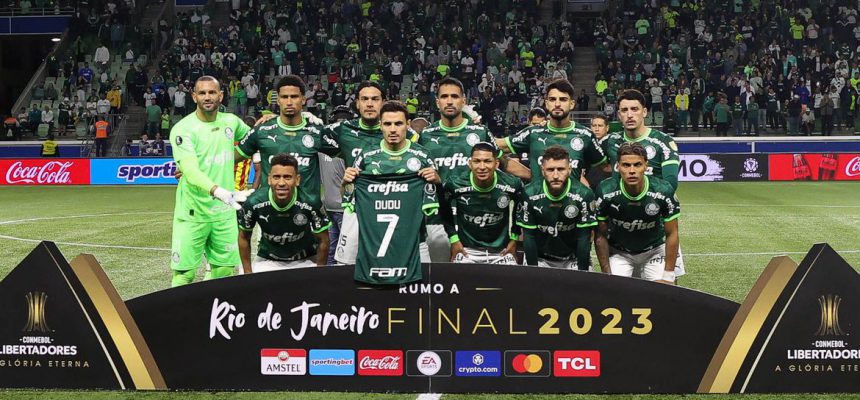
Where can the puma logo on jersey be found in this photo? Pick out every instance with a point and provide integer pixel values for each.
(539, 210)
(435, 140)
(616, 207)
(273, 137)
(377, 164)
(466, 200)
(264, 218)
(542, 140)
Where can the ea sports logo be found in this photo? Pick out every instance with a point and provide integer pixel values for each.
(429, 363)
(527, 363)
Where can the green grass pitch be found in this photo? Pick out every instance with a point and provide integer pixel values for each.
(729, 232)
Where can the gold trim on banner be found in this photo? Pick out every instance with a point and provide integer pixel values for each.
(745, 326)
(120, 325)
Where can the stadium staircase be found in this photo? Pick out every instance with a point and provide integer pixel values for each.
(585, 65)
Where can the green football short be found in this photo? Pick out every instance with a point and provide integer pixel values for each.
(218, 240)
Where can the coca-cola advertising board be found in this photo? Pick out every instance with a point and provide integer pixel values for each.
(815, 167)
(45, 171)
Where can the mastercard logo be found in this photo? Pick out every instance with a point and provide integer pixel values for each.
(527, 363)
(530, 363)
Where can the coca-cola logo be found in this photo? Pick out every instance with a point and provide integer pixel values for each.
(853, 167)
(386, 363)
(52, 173)
(380, 362)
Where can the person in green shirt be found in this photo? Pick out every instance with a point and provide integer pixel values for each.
(204, 220)
(722, 116)
(153, 118)
(637, 230)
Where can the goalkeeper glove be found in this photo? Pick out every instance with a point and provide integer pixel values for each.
(232, 199)
(470, 112)
(312, 118)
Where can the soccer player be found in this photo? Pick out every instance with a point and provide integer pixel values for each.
(600, 128)
(637, 234)
(290, 133)
(662, 152)
(204, 217)
(556, 215)
(395, 155)
(294, 224)
(560, 130)
(483, 197)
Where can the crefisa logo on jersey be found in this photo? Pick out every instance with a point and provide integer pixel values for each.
(577, 144)
(652, 209)
(413, 164)
(283, 362)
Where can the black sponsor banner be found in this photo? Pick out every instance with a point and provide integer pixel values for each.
(566, 331)
(466, 329)
(723, 167)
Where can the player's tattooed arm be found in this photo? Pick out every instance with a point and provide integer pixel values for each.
(601, 246)
(245, 250)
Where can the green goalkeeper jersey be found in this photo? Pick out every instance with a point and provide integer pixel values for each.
(483, 219)
(576, 139)
(557, 220)
(636, 223)
(661, 148)
(390, 210)
(304, 141)
(451, 148)
(287, 232)
(210, 146)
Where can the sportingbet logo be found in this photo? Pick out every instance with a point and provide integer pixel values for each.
(380, 362)
(635, 225)
(131, 172)
(484, 220)
(283, 362)
(388, 187)
(54, 172)
(388, 272)
(457, 160)
(576, 363)
(853, 167)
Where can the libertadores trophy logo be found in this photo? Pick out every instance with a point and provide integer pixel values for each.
(36, 321)
(829, 325)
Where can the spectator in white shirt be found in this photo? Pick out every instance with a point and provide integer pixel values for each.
(102, 57)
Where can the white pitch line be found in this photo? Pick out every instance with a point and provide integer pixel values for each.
(101, 246)
(429, 396)
(769, 205)
(19, 221)
(766, 253)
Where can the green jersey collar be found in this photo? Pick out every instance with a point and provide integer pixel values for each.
(639, 139)
(384, 147)
(561, 196)
(641, 195)
(364, 126)
(483, 190)
(291, 128)
(453, 129)
(560, 130)
(289, 205)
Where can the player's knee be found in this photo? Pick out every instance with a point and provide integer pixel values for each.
(182, 277)
(221, 272)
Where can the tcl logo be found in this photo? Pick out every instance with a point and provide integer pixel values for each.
(576, 363)
(45, 172)
(853, 167)
(380, 362)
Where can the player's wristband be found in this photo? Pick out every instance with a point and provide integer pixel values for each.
(669, 276)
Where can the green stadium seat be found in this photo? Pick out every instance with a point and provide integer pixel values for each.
(43, 131)
(81, 130)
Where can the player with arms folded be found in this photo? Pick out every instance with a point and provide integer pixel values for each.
(204, 220)
(637, 215)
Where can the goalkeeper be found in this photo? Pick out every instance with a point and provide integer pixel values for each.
(204, 221)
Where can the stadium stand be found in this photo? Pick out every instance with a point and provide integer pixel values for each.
(782, 65)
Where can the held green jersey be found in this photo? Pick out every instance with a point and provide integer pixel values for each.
(211, 144)
(483, 215)
(557, 219)
(451, 148)
(304, 141)
(390, 210)
(661, 149)
(288, 232)
(636, 223)
(578, 140)
(353, 137)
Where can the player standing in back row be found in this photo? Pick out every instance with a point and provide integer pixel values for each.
(204, 220)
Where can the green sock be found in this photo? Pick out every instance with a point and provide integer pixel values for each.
(182, 277)
(220, 272)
